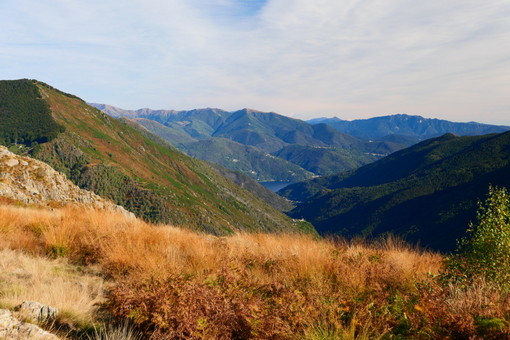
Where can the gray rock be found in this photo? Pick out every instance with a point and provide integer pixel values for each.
(13, 329)
(35, 182)
(36, 311)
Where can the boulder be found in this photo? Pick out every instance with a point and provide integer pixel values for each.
(36, 311)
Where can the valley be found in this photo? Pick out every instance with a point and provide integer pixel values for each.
(426, 193)
(105, 222)
(254, 170)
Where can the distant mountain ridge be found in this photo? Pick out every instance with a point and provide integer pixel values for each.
(256, 142)
(426, 193)
(321, 146)
(407, 125)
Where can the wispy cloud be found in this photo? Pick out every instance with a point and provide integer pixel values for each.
(352, 58)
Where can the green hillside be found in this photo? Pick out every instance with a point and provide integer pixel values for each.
(425, 193)
(324, 160)
(247, 159)
(155, 182)
(244, 181)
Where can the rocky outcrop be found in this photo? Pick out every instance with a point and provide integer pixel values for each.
(35, 182)
(13, 329)
(36, 312)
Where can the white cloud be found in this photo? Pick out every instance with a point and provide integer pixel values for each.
(353, 58)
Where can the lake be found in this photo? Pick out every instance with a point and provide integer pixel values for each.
(275, 186)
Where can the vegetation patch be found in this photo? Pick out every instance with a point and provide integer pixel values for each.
(25, 116)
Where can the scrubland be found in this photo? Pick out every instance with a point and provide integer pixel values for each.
(102, 268)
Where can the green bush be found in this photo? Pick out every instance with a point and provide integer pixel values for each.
(488, 327)
(485, 251)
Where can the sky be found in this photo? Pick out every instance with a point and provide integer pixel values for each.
(352, 59)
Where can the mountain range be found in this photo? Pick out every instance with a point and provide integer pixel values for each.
(270, 147)
(133, 169)
(406, 129)
(426, 193)
(264, 145)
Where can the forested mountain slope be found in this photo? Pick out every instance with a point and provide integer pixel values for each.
(425, 193)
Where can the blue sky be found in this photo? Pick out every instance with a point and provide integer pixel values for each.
(346, 58)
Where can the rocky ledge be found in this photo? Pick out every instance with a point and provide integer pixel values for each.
(35, 182)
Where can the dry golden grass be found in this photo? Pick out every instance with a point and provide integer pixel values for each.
(120, 242)
(175, 283)
(50, 281)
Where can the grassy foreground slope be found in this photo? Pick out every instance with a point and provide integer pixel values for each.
(173, 283)
(155, 182)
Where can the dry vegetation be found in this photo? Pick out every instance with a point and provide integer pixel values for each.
(72, 289)
(175, 284)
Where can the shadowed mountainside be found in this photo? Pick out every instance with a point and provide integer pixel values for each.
(425, 193)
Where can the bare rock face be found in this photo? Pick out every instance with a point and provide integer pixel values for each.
(13, 329)
(35, 182)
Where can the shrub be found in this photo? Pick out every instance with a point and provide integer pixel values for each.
(179, 309)
(485, 251)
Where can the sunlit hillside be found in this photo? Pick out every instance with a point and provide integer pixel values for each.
(173, 283)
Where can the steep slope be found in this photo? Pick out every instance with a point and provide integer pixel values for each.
(406, 125)
(175, 137)
(425, 193)
(244, 181)
(155, 182)
(31, 123)
(247, 159)
(241, 179)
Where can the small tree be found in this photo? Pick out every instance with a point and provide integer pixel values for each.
(485, 251)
